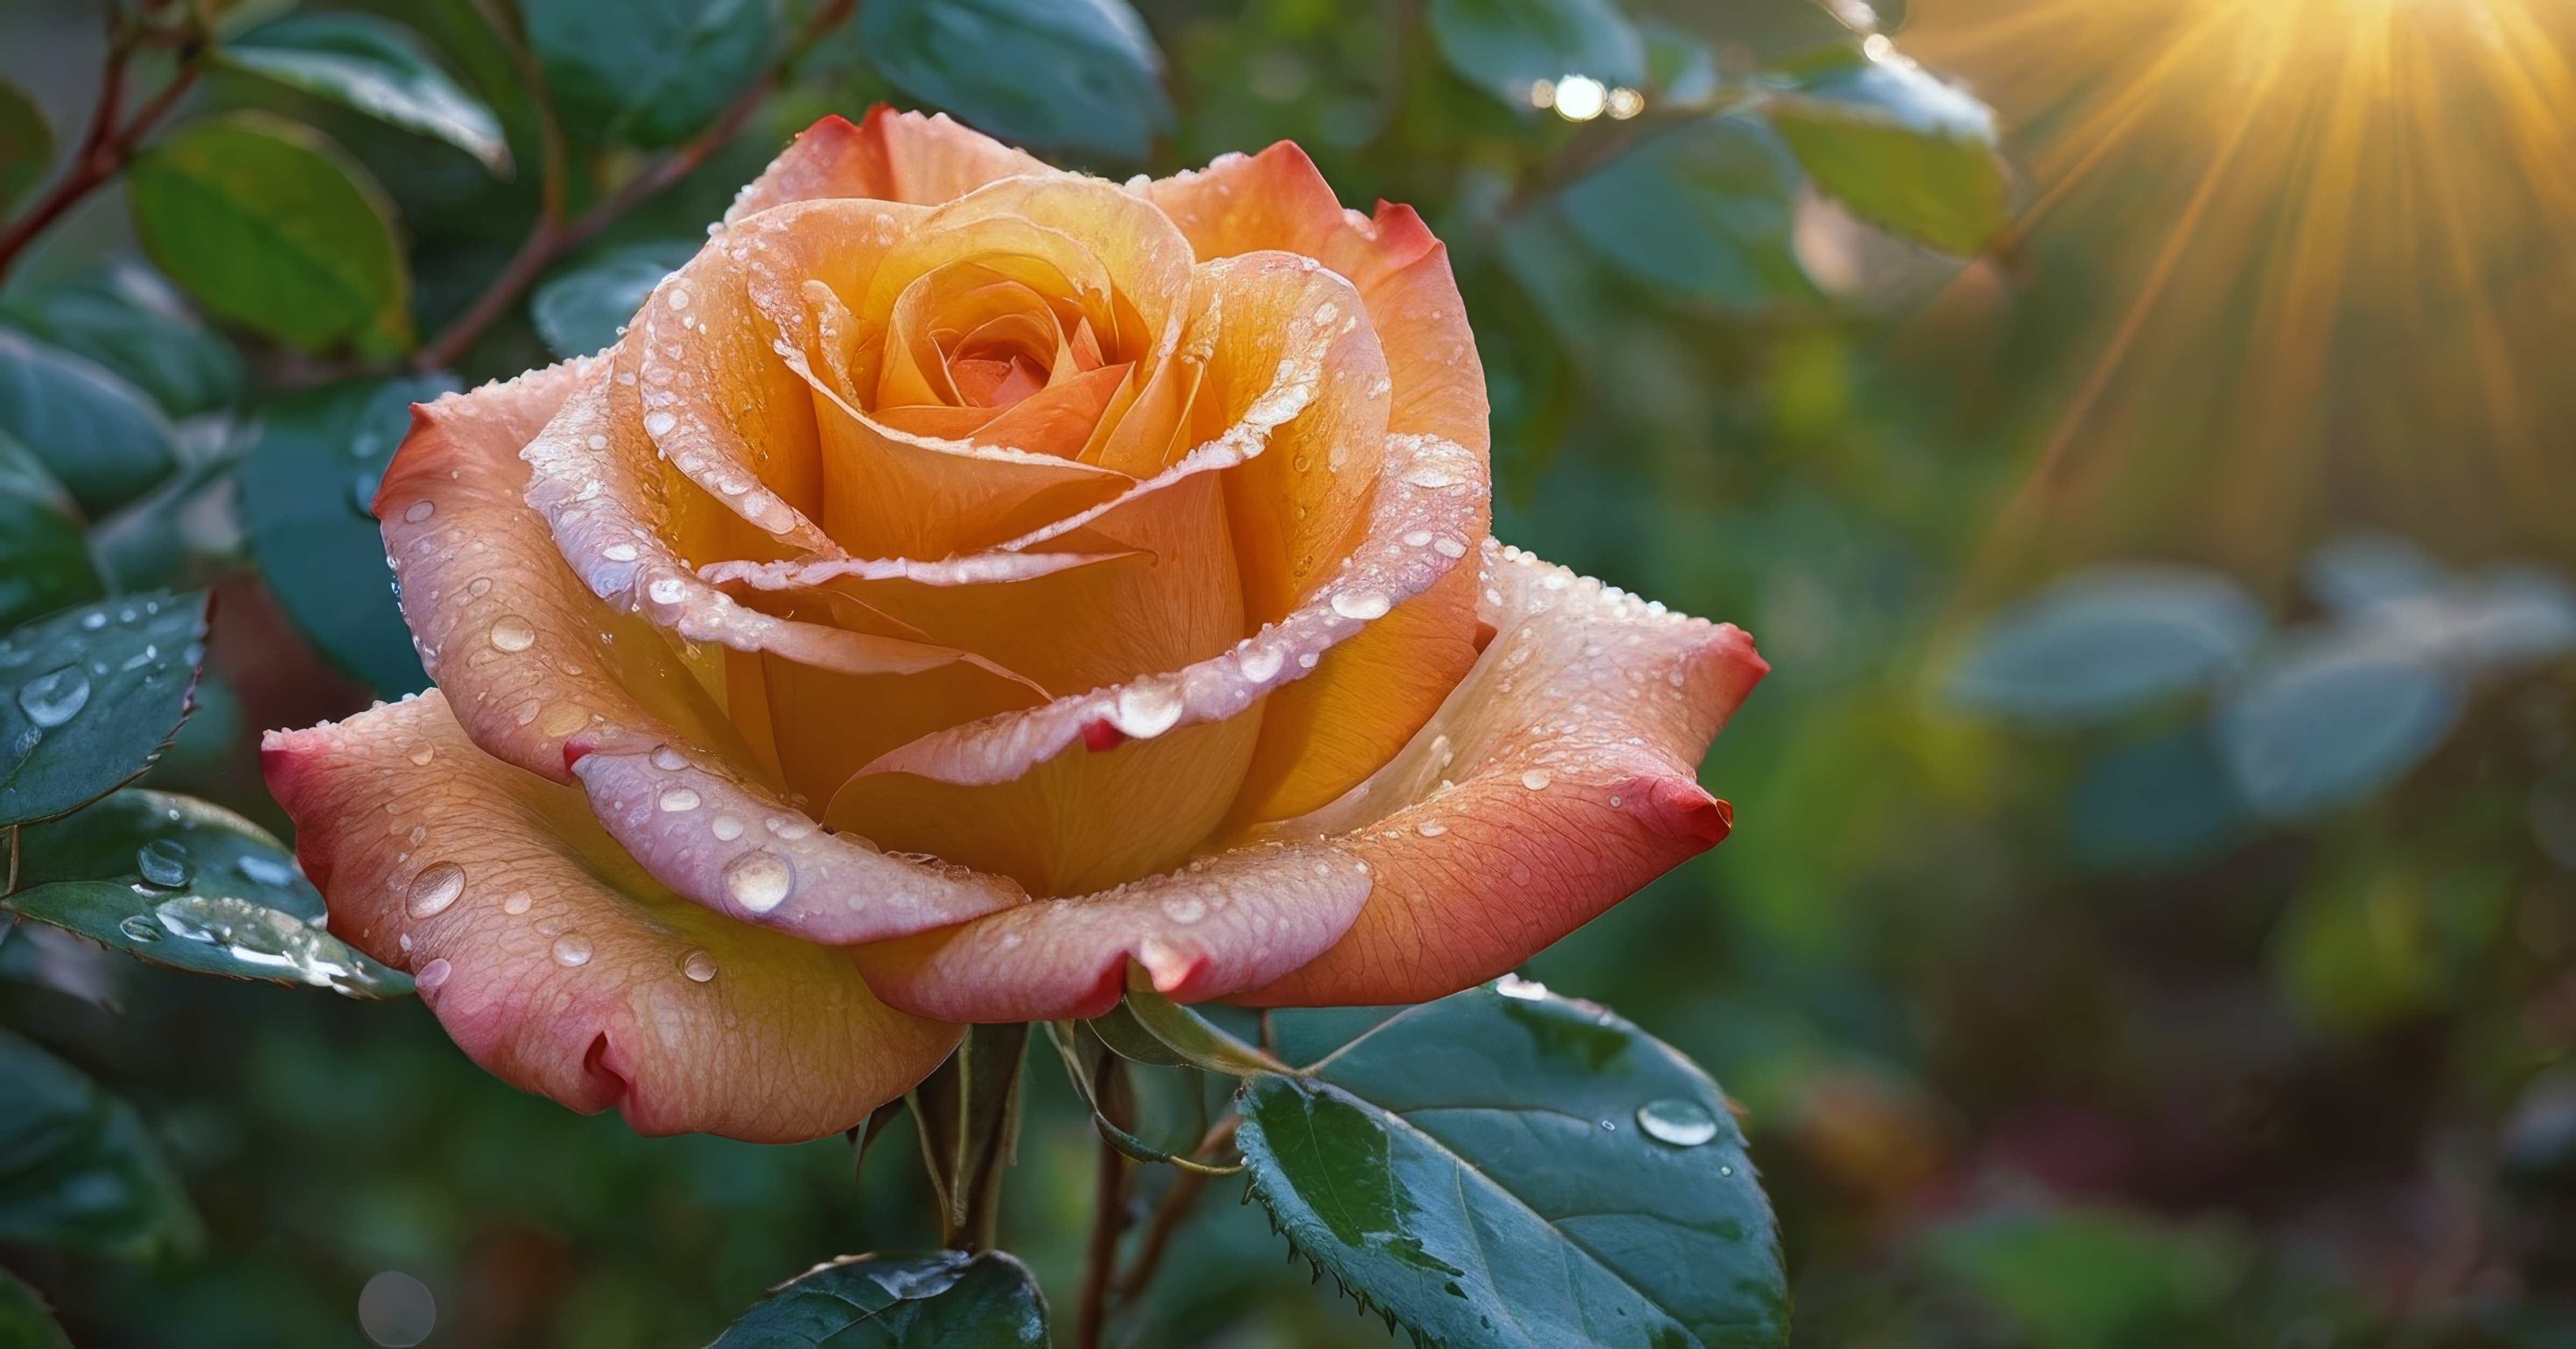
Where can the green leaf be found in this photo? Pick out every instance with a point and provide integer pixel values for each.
(580, 309)
(101, 437)
(1706, 209)
(648, 72)
(44, 557)
(378, 67)
(131, 321)
(946, 1300)
(1503, 1167)
(1505, 46)
(26, 143)
(271, 225)
(307, 489)
(25, 1321)
(77, 1168)
(2105, 641)
(2332, 719)
(1902, 149)
(1146, 1018)
(1068, 74)
(968, 1114)
(188, 884)
(91, 696)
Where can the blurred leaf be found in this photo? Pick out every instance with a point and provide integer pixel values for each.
(77, 1168)
(1679, 67)
(1704, 209)
(129, 320)
(946, 1300)
(2383, 938)
(2361, 572)
(188, 884)
(378, 67)
(25, 1321)
(2104, 641)
(648, 72)
(1902, 149)
(99, 435)
(580, 309)
(93, 697)
(1069, 74)
(1505, 46)
(1502, 1167)
(26, 143)
(44, 557)
(2088, 1279)
(267, 223)
(2331, 721)
(181, 534)
(308, 487)
(2164, 803)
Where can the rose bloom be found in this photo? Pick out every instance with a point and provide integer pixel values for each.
(964, 582)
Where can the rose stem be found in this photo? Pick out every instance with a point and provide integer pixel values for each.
(1178, 1202)
(1109, 1218)
(105, 146)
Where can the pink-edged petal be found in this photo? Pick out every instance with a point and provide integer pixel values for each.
(1430, 490)
(723, 841)
(974, 569)
(889, 156)
(1558, 778)
(1227, 923)
(558, 966)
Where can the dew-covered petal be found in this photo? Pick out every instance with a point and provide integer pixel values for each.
(894, 493)
(1227, 923)
(526, 654)
(1556, 780)
(714, 836)
(562, 968)
(888, 156)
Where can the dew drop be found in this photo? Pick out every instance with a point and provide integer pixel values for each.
(759, 881)
(669, 759)
(93, 621)
(420, 757)
(419, 511)
(667, 590)
(1523, 990)
(1363, 604)
(1431, 829)
(1536, 779)
(140, 928)
(518, 903)
(572, 949)
(679, 799)
(1449, 548)
(264, 870)
(433, 976)
(726, 828)
(619, 552)
(1684, 1124)
(510, 632)
(56, 696)
(699, 966)
(1420, 538)
(434, 889)
(659, 424)
(163, 862)
(1185, 908)
(1432, 478)
(1149, 707)
(1259, 663)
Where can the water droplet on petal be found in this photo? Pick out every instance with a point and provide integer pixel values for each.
(699, 966)
(1185, 908)
(619, 552)
(510, 632)
(759, 881)
(1449, 548)
(56, 696)
(434, 889)
(1524, 990)
(726, 828)
(163, 862)
(1431, 829)
(432, 976)
(1536, 779)
(572, 949)
(419, 511)
(1149, 707)
(518, 903)
(678, 799)
(1363, 604)
(420, 757)
(659, 424)
(1684, 1124)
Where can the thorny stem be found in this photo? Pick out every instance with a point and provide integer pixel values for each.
(552, 236)
(105, 146)
(1109, 1218)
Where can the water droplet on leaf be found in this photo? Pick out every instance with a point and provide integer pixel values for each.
(56, 696)
(163, 862)
(1684, 1124)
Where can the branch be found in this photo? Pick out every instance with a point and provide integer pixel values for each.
(105, 146)
(1172, 1212)
(1109, 1218)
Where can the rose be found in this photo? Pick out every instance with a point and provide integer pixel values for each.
(1102, 569)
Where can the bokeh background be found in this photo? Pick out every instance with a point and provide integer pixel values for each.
(2151, 917)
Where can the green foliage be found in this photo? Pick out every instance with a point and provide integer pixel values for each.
(308, 492)
(1506, 1167)
(130, 321)
(581, 308)
(1704, 209)
(2084, 1279)
(183, 883)
(1504, 46)
(44, 556)
(2106, 641)
(93, 696)
(1899, 147)
(948, 1300)
(1079, 75)
(26, 144)
(268, 224)
(649, 72)
(78, 1169)
(25, 1321)
(377, 67)
(97, 433)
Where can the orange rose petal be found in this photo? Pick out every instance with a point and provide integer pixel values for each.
(1230, 922)
(974, 569)
(891, 156)
(557, 965)
(890, 493)
(720, 840)
(1557, 779)
(526, 654)
(1278, 199)
(821, 744)
(1431, 490)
